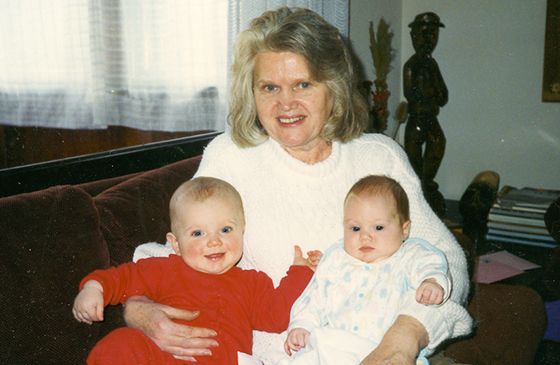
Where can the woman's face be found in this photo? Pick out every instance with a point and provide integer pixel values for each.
(292, 107)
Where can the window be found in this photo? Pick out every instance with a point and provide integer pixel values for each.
(150, 64)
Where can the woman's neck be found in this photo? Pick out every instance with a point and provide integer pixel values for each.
(310, 156)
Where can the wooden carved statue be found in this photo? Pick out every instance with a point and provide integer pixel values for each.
(426, 93)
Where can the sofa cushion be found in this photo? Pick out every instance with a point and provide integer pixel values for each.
(50, 239)
(137, 210)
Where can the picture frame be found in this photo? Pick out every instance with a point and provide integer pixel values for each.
(551, 68)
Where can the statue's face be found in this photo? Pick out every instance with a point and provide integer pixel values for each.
(424, 38)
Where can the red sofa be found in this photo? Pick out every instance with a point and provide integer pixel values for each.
(51, 238)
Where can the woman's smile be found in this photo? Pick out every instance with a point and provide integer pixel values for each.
(290, 120)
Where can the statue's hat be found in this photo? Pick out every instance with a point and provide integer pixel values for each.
(428, 18)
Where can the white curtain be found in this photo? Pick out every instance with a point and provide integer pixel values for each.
(243, 11)
(146, 64)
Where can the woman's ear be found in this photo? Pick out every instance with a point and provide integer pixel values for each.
(174, 243)
(406, 229)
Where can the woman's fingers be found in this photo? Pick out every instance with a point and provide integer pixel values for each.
(198, 335)
(187, 348)
(184, 341)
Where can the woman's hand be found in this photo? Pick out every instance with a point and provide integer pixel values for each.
(400, 345)
(155, 320)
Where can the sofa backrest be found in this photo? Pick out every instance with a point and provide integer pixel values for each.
(50, 239)
(136, 211)
(98, 186)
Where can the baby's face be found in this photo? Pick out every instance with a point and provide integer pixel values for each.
(209, 235)
(372, 228)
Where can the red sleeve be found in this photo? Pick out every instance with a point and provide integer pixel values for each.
(271, 307)
(126, 280)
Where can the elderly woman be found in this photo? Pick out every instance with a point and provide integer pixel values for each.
(295, 147)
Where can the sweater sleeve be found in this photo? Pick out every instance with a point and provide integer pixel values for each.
(450, 319)
(214, 163)
(271, 306)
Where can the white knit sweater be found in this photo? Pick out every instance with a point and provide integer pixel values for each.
(288, 202)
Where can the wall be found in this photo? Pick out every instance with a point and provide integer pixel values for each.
(491, 56)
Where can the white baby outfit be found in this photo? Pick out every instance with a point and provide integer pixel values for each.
(349, 304)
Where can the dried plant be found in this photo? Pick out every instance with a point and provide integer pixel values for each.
(382, 54)
(381, 51)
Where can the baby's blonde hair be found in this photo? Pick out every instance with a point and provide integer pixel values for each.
(200, 189)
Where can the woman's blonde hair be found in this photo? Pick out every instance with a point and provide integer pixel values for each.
(305, 33)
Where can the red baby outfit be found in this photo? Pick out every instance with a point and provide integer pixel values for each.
(233, 304)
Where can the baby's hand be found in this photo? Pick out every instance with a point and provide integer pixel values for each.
(88, 305)
(297, 339)
(429, 292)
(312, 260)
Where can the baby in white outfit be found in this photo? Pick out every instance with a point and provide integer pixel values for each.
(363, 280)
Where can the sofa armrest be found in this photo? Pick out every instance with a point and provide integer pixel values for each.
(510, 322)
(50, 239)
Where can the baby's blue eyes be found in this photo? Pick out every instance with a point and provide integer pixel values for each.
(200, 233)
